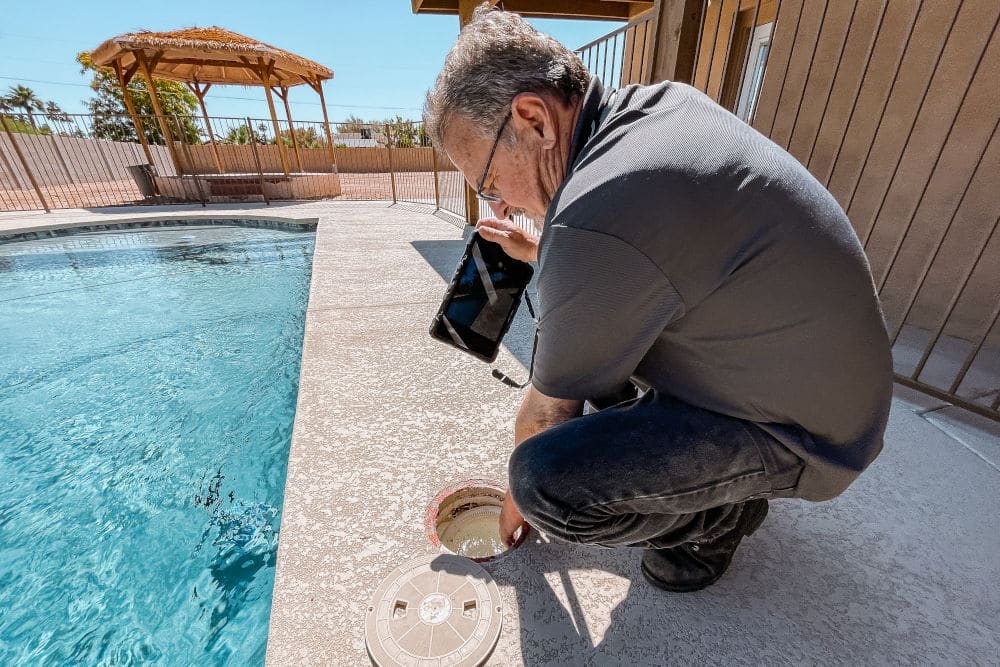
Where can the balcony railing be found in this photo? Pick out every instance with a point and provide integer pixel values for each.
(621, 57)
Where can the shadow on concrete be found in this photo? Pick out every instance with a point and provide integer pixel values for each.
(895, 570)
(652, 627)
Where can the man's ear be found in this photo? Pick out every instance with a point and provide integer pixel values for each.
(533, 113)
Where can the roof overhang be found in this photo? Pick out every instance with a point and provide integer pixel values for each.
(601, 10)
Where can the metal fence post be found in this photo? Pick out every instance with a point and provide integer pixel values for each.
(24, 163)
(190, 161)
(392, 172)
(256, 158)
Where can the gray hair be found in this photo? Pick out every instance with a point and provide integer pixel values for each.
(498, 55)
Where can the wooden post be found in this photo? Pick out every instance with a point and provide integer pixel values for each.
(318, 87)
(200, 93)
(265, 76)
(256, 158)
(282, 92)
(123, 80)
(158, 109)
(24, 163)
(437, 187)
(467, 7)
(465, 11)
(675, 40)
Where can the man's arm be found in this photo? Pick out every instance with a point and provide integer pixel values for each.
(538, 413)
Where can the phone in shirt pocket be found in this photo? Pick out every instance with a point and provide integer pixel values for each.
(481, 300)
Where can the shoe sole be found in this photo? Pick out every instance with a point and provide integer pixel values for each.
(663, 586)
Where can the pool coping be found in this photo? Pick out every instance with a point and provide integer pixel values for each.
(58, 230)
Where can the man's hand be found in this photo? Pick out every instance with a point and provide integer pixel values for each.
(516, 242)
(510, 521)
(538, 413)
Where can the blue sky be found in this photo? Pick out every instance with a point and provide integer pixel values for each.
(383, 56)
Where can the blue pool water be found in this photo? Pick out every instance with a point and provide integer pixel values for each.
(147, 390)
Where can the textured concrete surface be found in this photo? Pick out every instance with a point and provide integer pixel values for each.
(902, 568)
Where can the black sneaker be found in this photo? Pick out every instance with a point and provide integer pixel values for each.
(693, 566)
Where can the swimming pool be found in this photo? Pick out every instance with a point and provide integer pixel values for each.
(148, 380)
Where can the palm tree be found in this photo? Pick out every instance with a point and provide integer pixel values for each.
(55, 114)
(22, 97)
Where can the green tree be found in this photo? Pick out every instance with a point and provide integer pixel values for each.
(394, 132)
(423, 139)
(398, 133)
(22, 97)
(111, 120)
(241, 135)
(353, 124)
(54, 113)
(307, 137)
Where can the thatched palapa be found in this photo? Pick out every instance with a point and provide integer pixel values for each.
(209, 55)
(201, 57)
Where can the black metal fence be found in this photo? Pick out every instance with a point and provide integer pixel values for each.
(84, 161)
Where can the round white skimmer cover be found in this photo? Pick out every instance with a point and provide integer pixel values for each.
(434, 610)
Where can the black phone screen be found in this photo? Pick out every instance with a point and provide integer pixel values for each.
(482, 299)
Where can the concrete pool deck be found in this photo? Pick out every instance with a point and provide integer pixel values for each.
(902, 568)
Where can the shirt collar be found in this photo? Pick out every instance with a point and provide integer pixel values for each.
(594, 108)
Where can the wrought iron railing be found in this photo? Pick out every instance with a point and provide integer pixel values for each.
(623, 56)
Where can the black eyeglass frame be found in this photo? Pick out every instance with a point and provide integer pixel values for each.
(489, 161)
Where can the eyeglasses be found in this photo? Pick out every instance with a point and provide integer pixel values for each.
(482, 181)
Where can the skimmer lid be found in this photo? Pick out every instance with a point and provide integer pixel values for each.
(434, 610)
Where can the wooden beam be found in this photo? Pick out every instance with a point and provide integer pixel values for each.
(207, 62)
(675, 39)
(564, 9)
(158, 110)
(282, 92)
(200, 93)
(318, 87)
(265, 77)
(154, 61)
(637, 9)
(130, 72)
(465, 11)
(24, 163)
(136, 122)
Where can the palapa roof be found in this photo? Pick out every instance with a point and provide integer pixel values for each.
(209, 55)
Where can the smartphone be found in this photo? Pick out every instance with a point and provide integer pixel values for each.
(481, 300)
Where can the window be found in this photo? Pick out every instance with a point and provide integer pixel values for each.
(760, 45)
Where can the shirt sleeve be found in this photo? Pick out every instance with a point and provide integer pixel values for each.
(603, 303)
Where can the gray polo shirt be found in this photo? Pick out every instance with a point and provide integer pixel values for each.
(688, 251)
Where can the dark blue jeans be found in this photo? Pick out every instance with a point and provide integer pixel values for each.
(654, 472)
